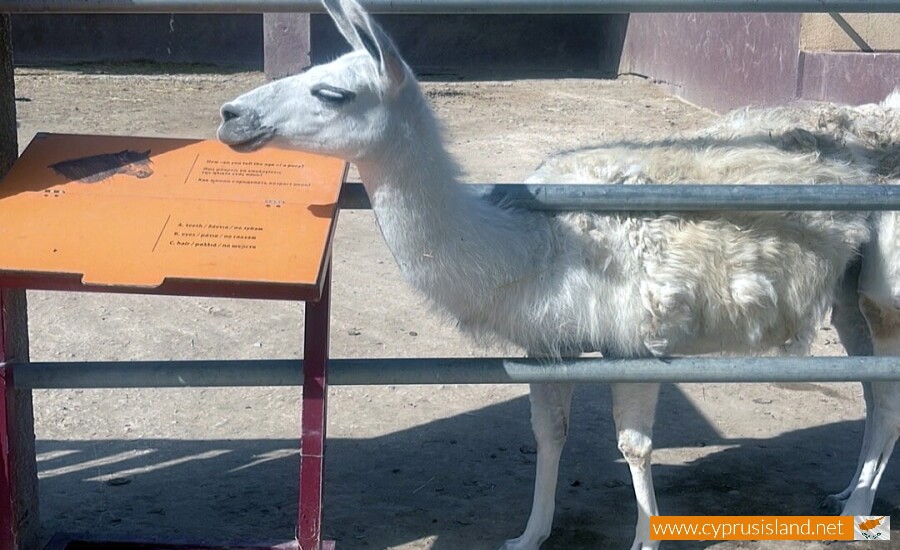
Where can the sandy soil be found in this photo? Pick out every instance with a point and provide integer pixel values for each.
(408, 467)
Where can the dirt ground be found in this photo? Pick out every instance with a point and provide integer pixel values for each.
(408, 468)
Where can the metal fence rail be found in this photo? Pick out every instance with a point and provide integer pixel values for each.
(289, 372)
(537, 197)
(673, 198)
(452, 6)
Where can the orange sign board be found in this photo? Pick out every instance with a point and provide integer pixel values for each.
(127, 213)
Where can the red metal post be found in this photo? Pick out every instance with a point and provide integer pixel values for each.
(313, 418)
(7, 494)
(7, 156)
(18, 481)
(19, 522)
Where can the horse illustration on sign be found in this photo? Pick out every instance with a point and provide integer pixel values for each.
(97, 168)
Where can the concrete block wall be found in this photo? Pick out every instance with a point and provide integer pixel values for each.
(820, 32)
(723, 61)
(285, 43)
(223, 40)
(719, 61)
(715, 60)
(470, 44)
(853, 64)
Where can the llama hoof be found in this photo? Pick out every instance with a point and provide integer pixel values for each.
(857, 505)
(833, 504)
(640, 544)
(520, 544)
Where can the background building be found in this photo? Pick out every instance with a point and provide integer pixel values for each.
(715, 60)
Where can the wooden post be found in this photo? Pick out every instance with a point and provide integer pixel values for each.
(9, 149)
(286, 44)
(19, 522)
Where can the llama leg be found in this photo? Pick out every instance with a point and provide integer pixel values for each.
(835, 503)
(853, 330)
(883, 406)
(550, 404)
(634, 408)
(847, 317)
(884, 430)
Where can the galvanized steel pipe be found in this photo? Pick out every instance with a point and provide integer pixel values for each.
(673, 198)
(450, 6)
(286, 372)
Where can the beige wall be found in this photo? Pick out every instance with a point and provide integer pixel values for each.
(819, 32)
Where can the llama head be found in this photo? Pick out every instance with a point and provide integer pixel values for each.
(343, 108)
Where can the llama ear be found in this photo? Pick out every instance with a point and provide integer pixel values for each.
(364, 34)
(341, 18)
(391, 66)
(394, 68)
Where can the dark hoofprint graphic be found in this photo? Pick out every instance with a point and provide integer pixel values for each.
(100, 167)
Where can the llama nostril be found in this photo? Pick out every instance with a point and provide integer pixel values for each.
(230, 112)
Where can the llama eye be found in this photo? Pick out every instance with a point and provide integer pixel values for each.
(332, 94)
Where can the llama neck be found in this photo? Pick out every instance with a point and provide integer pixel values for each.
(454, 247)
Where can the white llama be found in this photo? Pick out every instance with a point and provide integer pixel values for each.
(624, 285)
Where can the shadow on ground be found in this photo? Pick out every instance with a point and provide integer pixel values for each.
(461, 482)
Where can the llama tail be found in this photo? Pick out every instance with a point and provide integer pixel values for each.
(892, 101)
